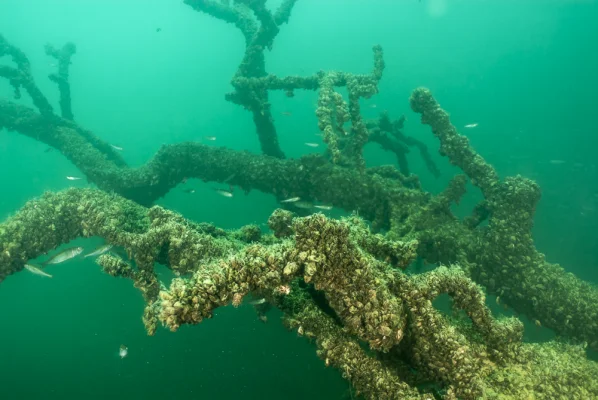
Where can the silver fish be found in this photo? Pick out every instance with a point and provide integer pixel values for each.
(64, 255)
(116, 147)
(37, 271)
(291, 200)
(258, 301)
(73, 178)
(306, 205)
(323, 207)
(223, 192)
(229, 178)
(471, 125)
(312, 144)
(99, 251)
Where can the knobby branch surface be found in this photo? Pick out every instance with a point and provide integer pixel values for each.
(338, 282)
(332, 280)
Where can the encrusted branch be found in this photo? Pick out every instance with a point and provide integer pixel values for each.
(63, 56)
(500, 256)
(21, 77)
(504, 258)
(342, 268)
(354, 297)
(257, 38)
(389, 135)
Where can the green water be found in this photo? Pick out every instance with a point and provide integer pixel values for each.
(523, 70)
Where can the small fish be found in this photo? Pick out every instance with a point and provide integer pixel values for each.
(306, 205)
(258, 301)
(37, 271)
(286, 113)
(190, 191)
(210, 138)
(116, 147)
(323, 207)
(471, 125)
(229, 178)
(73, 178)
(158, 29)
(224, 192)
(372, 106)
(49, 149)
(538, 323)
(99, 251)
(291, 200)
(312, 144)
(64, 255)
(123, 351)
(557, 162)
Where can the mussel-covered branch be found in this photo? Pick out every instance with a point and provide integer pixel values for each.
(63, 57)
(260, 30)
(21, 77)
(389, 135)
(364, 299)
(503, 257)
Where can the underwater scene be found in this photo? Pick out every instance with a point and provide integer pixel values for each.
(298, 199)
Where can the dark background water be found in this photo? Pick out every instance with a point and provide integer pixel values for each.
(525, 71)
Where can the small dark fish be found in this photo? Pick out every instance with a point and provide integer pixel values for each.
(158, 29)
(49, 149)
